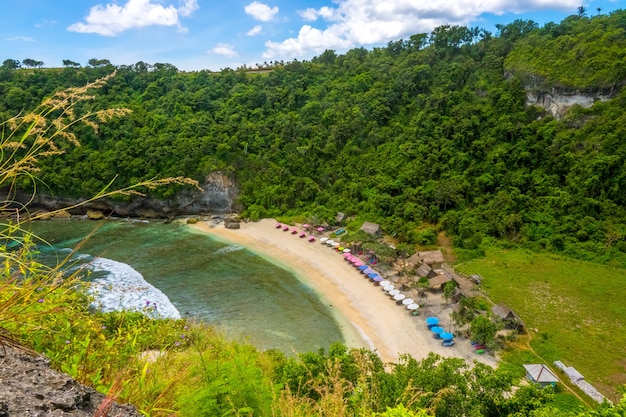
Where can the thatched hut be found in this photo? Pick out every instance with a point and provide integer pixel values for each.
(372, 228)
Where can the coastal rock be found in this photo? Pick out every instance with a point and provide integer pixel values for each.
(217, 194)
(29, 387)
(61, 214)
(231, 225)
(95, 215)
(192, 220)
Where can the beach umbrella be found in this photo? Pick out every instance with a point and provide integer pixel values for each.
(323, 239)
(320, 229)
(408, 301)
(346, 255)
(432, 321)
(346, 250)
(393, 293)
(437, 330)
(302, 234)
(305, 225)
(373, 275)
(278, 225)
(385, 282)
(377, 278)
(399, 297)
(311, 239)
(286, 228)
(294, 231)
(388, 288)
(336, 244)
(362, 267)
(330, 242)
(367, 270)
(446, 336)
(412, 306)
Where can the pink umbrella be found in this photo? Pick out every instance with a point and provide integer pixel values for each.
(302, 234)
(278, 225)
(311, 239)
(285, 229)
(346, 255)
(294, 231)
(320, 229)
(305, 225)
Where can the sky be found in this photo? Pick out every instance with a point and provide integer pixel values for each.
(194, 35)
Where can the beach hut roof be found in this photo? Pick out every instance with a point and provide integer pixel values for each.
(431, 257)
(424, 270)
(340, 217)
(439, 280)
(504, 312)
(371, 228)
(540, 373)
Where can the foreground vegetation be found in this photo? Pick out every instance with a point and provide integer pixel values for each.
(451, 143)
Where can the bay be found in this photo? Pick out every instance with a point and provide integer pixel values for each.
(246, 296)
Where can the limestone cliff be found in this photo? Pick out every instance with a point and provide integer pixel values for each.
(218, 195)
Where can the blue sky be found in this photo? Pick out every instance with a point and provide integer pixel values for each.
(212, 34)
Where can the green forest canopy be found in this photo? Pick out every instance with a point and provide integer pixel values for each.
(434, 129)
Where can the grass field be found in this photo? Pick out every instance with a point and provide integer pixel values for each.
(575, 311)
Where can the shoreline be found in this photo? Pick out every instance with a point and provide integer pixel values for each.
(367, 317)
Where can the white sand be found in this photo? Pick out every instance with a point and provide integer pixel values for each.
(367, 316)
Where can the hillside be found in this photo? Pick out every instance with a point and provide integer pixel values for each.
(434, 129)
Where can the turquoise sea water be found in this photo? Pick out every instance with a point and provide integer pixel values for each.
(188, 272)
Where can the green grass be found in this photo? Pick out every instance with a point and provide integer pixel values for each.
(575, 311)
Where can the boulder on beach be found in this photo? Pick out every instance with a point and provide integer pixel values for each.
(95, 215)
(229, 224)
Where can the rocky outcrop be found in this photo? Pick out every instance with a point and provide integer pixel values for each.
(29, 387)
(558, 102)
(218, 194)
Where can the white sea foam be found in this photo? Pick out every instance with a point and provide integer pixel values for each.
(123, 288)
(228, 249)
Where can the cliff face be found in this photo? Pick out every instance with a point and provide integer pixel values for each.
(558, 101)
(218, 196)
(30, 387)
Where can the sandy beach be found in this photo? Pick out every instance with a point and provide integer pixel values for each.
(367, 316)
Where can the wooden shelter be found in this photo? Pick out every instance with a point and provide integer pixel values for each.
(425, 271)
(439, 281)
(340, 217)
(540, 374)
(372, 228)
(508, 316)
(434, 258)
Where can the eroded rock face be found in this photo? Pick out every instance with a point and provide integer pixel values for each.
(558, 102)
(218, 194)
(30, 388)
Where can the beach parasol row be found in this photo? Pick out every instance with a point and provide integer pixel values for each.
(295, 231)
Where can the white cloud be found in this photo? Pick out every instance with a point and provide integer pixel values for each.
(187, 7)
(113, 19)
(370, 22)
(261, 11)
(327, 13)
(21, 39)
(223, 49)
(255, 30)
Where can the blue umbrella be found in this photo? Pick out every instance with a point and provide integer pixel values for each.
(431, 321)
(446, 336)
(372, 275)
(362, 267)
(437, 330)
(377, 278)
